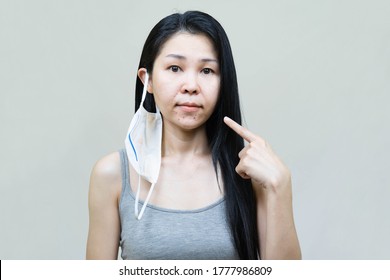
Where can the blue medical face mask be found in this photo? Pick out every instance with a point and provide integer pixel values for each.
(143, 147)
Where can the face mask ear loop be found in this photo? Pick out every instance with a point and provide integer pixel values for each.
(138, 214)
(139, 176)
(146, 201)
(137, 197)
(145, 88)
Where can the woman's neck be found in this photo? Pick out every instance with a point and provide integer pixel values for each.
(184, 143)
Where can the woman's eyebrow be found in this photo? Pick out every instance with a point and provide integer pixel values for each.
(182, 57)
(178, 56)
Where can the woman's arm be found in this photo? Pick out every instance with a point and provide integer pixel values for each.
(104, 222)
(271, 181)
(278, 237)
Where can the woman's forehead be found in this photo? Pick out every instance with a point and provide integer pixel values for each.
(185, 45)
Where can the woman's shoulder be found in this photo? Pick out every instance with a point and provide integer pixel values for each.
(106, 173)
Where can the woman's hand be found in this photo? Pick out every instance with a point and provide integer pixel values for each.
(259, 163)
(271, 181)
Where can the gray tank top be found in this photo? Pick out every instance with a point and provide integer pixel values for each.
(172, 234)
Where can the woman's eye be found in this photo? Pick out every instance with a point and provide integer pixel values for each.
(207, 71)
(174, 68)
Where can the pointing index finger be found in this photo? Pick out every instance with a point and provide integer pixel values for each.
(240, 130)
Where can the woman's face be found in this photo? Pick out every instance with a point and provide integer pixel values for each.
(186, 80)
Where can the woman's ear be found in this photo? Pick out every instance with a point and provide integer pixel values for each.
(142, 76)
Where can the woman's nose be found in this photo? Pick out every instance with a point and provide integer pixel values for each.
(191, 84)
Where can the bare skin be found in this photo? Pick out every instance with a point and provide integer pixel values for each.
(104, 223)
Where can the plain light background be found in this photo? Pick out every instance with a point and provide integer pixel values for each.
(314, 80)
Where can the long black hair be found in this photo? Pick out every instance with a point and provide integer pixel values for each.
(224, 143)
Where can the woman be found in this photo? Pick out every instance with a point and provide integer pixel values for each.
(210, 197)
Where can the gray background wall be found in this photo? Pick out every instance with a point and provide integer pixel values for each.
(314, 81)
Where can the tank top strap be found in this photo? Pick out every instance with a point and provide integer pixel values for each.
(124, 170)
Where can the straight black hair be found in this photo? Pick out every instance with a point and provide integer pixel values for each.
(224, 143)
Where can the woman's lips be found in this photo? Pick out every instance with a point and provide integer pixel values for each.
(189, 107)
